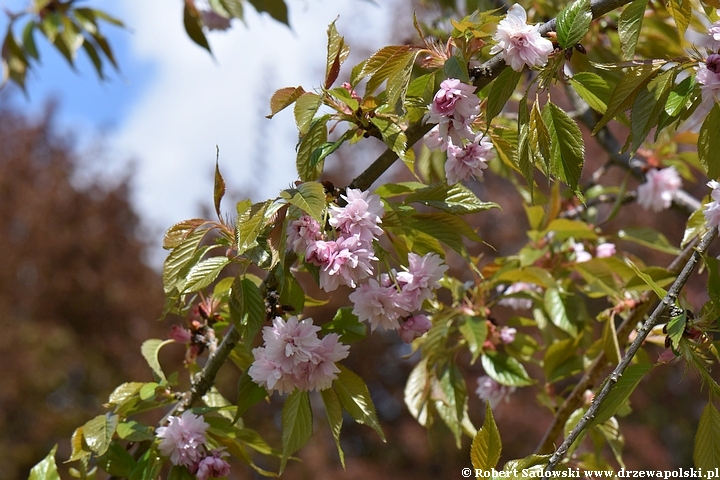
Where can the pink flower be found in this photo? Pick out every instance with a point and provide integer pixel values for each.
(605, 250)
(708, 76)
(348, 264)
(320, 252)
(507, 335)
(379, 304)
(712, 210)
(490, 390)
(434, 141)
(423, 276)
(360, 216)
(353, 94)
(180, 334)
(714, 32)
(269, 375)
(211, 466)
(302, 232)
(414, 327)
(294, 357)
(517, 303)
(468, 161)
(659, 189)
(455, 100)
(455, 131)
(183, 439)
(520, 44)
(581, 255)
(290, 343)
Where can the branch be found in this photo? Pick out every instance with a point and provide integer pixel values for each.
(589, 379)
(649, 324)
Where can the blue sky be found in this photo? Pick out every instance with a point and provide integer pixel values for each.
(172, 103)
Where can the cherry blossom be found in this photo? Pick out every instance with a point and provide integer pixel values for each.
(379, 304)
(490, 390)
(714, 32)
(360, 216)
(183, 439)
(455, 100)
(581, 255)
(708, 76)
(605, 250)
(468, 161)
(520, 44)
(423, 276)
(294, 357)
(712, 210)
(507, 335)
(659, 189)
(414, 327)
(302, 232)
(212, 466)
(349, 263)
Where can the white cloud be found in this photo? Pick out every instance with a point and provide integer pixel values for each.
(196, 102)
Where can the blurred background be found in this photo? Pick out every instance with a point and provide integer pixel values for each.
(92, 172)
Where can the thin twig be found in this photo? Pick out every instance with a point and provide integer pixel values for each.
(642, 334)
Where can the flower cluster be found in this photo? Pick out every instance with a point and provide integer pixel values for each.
(183, 440)
(714, 33)
(454, 108)
(520, 44)
(712, 210)
(659, 189)
(384, 302)
(490, 390)
(603, 250)
(293, 356)
(346, 259)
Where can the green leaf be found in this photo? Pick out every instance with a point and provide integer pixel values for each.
(709, 143)
(308, 197)
(193, 26)
(556, 309)
(456, 68)
(28, 40)
(296, 424)
(456, 199)
(539, 139)
(249, 225)
(249, 393)
(219, 188)
(416, 392)
(486, 446)
(276, 8)
(94, 58)
(474, 330)
(178, 472)
(333, 409)
(505, 370)
(713, 282)
(179, 258)
(347, 325)
(676, 328)
(564, 229)
(648, 237)
(629, 26)
(451, 400)
(133, 431)
(649, 105)
(445, 227)
(567, 149)
(659, 291)
(679, 96)
(681, 11)
(560, 359)
(573, 23)
(706, 454)
(500, 92)
(247, 307)
(124, 392)
(593, 89)
(117, 461)
(355, 399)
(306, 106)
(204, 273)
(285, 97)
(382, 64)
(150, 349)
(319, 154)
(46, 469)
(625, 92)
(99, 431)
(316, 136)
(621, 392)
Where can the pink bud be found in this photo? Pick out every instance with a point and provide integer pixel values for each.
(414, 327)
(180, 334)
